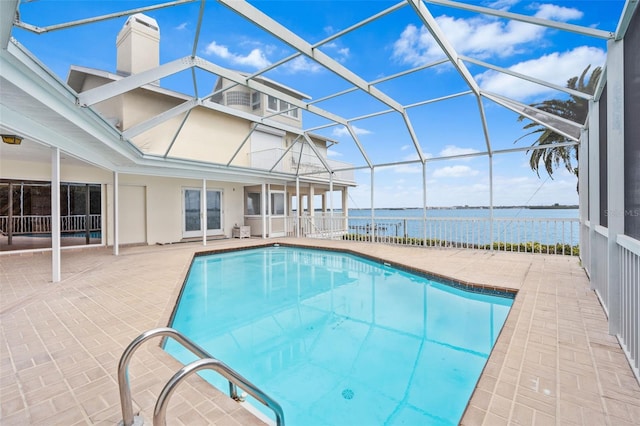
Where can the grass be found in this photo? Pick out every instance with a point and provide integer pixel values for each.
(525, 247)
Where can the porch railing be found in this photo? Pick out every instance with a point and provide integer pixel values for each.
(36, 224)
(531, 235)
(629, 335)
(627, 303)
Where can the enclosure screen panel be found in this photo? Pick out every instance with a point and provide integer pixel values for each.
(632, 129)
(602, 138)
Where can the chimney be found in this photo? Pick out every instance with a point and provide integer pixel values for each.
(138, 45)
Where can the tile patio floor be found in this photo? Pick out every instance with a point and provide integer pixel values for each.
(553, 363)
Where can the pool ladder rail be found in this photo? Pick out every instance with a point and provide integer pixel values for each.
(206, 362)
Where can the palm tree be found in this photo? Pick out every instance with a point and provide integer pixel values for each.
(574, 109)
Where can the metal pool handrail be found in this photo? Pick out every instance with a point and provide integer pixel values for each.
(206, 362)
(160, 411)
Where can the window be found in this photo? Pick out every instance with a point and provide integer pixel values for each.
(238, 98)
(217, 98)
(285, 108)
(253, 203)
(277, 203)
(273, 104)
(255, 100)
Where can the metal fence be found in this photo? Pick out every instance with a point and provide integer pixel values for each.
(21, 225)
(550, 236)
(629, 335)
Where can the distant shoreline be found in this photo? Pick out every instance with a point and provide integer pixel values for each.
(551, 207)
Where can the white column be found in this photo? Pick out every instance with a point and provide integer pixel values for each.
(116, 240)
(298, 207)
(491, 201)
(264, 210)
(372, 205)
(331, 194)
(331, 227)
(594, 190)
(203, 211)
(312, 207)
(55, 215)
(345, 207)
(287, 212)
(424, 205)
(615, 172)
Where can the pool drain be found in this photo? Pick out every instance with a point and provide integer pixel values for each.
(347, 394)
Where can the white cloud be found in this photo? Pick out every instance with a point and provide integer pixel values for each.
(404, 168)
(339, 53)
(256, 58)
(182, 26)
(502, 4)
(554, 68)
(454, 171)
(452, 150)
(558, 13)
(342, 131)
(478, 36)
(408, 169)
(410, 155)
(302, 64)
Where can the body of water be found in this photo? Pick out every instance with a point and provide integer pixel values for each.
(515, 212)
(472, 225)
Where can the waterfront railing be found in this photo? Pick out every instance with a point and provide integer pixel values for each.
(529, 235)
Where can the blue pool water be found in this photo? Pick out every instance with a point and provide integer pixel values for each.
(337, 339)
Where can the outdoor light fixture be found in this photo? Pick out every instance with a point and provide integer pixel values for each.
(11, 139)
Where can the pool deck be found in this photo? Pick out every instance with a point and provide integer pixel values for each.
(554, 362)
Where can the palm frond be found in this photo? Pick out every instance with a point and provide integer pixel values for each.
(544, 153)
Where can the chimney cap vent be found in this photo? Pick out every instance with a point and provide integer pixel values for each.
(143, 20)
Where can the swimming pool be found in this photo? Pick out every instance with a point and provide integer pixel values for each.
(338, 339)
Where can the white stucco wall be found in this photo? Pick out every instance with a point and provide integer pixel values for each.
(164, 205)
(212, 136)
(38, 170)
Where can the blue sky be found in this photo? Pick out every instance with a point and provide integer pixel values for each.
(387, 46)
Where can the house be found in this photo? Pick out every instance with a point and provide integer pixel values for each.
(231, 157)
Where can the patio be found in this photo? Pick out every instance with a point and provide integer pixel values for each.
(554, 362)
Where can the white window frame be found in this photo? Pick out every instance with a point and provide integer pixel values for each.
(282, 107)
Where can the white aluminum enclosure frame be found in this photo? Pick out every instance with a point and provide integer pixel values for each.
(312, 52)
